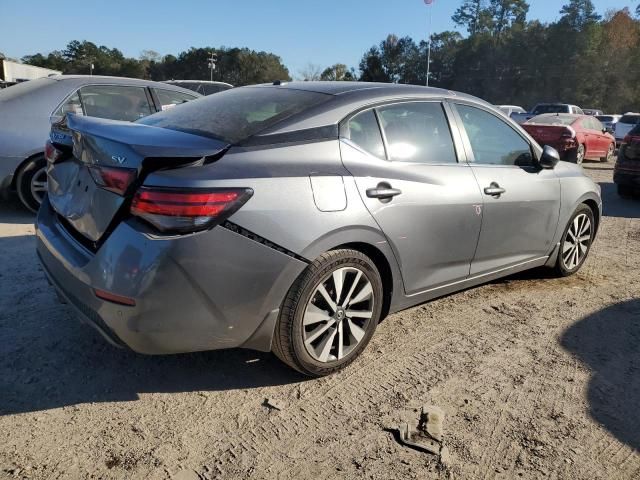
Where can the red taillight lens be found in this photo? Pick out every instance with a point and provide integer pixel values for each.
(173, 210)
(116, 180)
(112, 297)
(51, 153)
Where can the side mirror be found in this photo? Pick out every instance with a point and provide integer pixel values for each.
(607, 130)
(550, 158)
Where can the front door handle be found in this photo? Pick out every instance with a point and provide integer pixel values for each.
(383, 192)
(494, 190)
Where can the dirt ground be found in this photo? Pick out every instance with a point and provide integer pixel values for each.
(539, 378)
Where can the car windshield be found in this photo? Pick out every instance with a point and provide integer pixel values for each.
(563, 120)
(237, 114)
(630, 119)
(551, 109)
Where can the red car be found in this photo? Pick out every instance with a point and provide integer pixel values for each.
(576, 137)
(626, 173)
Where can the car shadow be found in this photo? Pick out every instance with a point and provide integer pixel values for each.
(613, 205)
(49, 359)
(12, 211)
(608, 343)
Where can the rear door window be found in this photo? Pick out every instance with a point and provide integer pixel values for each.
(365, 132)
(115, 102)
(417, 132)
(169, 98)
(630, 119)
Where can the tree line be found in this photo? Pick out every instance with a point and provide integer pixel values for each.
(583, 58)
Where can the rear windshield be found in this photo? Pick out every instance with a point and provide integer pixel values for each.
(237, 114)
(551, 109)
(605, 118)
(564, 120)
(24, 88)
(630, 119)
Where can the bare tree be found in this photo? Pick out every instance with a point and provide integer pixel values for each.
(310, 72)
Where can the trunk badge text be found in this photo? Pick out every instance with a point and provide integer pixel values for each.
(118, 159)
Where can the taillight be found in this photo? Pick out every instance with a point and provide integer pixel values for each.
(51, 153)
(568, 133)
(116, 180)
(187, 210)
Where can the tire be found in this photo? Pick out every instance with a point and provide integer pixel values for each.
(313, 349)
(610, 153)
(569, 262)
(30, 185)
(577, 155)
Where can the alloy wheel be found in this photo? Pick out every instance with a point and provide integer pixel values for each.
(580, 154)
(338, 314)
(577, 242)
(38, 185)
(611, 152)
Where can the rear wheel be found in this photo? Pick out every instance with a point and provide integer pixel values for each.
(330, 313)
(610, 153)
(576, 242)
(31, 183)
(577, 156)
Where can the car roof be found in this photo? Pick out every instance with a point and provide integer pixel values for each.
(208, 82)
(79, 80)
(352, 96)
(573, 116)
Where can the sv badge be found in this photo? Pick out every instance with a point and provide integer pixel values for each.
(118, 159)
(478, 209)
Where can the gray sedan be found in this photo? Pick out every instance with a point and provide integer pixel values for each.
(27, 109)
(294, 217)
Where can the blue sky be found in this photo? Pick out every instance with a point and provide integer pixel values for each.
(321, 32)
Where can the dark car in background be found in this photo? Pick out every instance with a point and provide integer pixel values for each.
(626, 123)
(626, 174)
(576, 137)
(28, 109)
(594, 112)
(294, 217)
(203, 87)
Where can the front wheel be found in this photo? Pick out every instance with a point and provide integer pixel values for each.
(576, 242)
(31, 183)
(330, 313)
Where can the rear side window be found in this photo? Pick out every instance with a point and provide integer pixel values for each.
(72, 105)
(170, 98)
(630, 119)
(493, 141)
(551, 109)
(237, 114)
(115, 102)
(364, 132)
(417, 132)
(210, 89)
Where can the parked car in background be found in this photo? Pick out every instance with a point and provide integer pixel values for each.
(594, 112)
(29, 108)
(203, 87)
(626, 174)
(510, 109)
(626, 123)
(171, 234)
(609, 121)
(576, 137)
(543, 108)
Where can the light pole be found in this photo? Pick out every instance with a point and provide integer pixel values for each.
(212, 64)
(429, 4)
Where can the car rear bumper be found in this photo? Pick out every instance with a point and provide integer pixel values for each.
(213, 290)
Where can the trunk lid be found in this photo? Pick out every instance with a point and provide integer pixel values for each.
(74, 194)
(547, 133)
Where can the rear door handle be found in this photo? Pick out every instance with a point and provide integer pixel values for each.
(494, 190)
(383, 192)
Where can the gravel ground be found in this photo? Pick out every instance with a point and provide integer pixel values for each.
(538, 377)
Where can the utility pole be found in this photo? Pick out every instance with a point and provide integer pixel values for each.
(429, 4)
(212, 64)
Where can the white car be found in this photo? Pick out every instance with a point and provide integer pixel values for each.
(624, 126)
(609, 121)
(509, 109)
